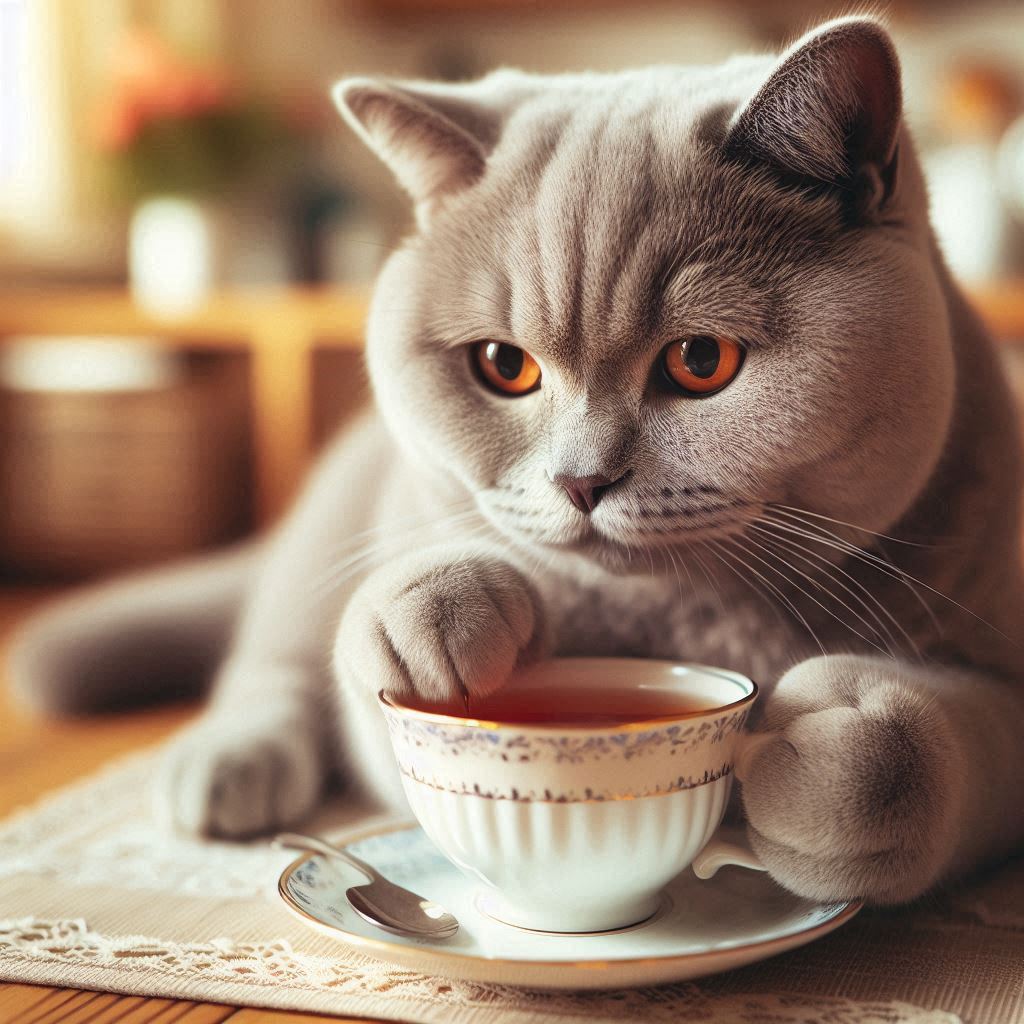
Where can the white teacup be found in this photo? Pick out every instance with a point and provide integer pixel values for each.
(578, 828)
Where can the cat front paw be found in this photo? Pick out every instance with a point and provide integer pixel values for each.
(439, 627)
(237, 776)
(852, 786)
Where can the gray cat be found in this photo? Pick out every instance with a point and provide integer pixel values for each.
(670, 355)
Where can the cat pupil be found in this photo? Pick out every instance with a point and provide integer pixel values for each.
(508, 359)
(702, 356)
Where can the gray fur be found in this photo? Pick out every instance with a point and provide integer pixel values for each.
(591, 219)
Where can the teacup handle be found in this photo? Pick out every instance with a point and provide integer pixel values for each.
(718, 853)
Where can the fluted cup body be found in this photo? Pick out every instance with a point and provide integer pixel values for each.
(576, 828)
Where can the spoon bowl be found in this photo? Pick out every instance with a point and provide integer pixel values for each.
(400, 909)
(380, 901)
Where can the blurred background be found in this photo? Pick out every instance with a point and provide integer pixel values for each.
(188, 231)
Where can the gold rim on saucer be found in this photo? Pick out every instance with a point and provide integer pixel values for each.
(383, 947)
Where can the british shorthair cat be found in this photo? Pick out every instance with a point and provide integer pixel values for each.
(671, 367)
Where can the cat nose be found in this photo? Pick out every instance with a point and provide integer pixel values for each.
(584, 491)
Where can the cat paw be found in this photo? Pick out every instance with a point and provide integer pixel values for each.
(237, 777)
(439, 628)
(852, 785)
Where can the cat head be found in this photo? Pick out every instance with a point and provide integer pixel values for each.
(640, 306)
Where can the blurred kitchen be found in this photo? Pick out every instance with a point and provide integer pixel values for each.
(188, 231)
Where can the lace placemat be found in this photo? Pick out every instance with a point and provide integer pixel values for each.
(93, 895)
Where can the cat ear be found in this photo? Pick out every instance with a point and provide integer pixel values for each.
(830, 111)
(433, 138)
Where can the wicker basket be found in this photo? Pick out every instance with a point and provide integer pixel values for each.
(92, 482)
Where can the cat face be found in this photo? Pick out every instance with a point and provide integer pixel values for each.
(614, 288)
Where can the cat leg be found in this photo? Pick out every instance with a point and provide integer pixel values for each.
(438, 625)
(262, 751)
(875, 779)
(254, 761)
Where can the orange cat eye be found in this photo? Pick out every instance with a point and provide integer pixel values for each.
(702, 364)
(506, 368)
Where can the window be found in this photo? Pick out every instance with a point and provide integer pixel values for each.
(34, 172)
(12, 32)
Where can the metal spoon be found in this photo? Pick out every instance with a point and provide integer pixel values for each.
(382, 903)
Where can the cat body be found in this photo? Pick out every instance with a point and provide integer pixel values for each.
(839, 520)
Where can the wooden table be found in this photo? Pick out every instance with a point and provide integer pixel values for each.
(37, 756)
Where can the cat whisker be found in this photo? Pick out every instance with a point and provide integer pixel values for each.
(814, 559)
(886, 650)
(851, 526)
(536, 568)
(837, 543)
(678, 513)
(348, 566)
(550, 561)
(907, 579)
(708, 576)
(775, 609)
(381, 536)
(389, 527)
(679, 580)
(332, 576)
(933, 699)
(727, 558)
(863, 593)
(660, 538)
(771, 586)
(912, 581)
(880, 556)
(664, 563)
(650, 558)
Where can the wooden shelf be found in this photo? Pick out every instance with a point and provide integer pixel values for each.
(280, 330)
(335, 317)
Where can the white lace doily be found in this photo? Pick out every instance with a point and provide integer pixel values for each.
(93, 895)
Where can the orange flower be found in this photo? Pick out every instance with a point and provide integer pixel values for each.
(207, 90)
(150, 82)
(116, 122)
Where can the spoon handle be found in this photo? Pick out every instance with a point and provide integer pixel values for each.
(296, 841)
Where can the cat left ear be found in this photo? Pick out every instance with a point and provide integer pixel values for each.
(432, 138)
(829, 113)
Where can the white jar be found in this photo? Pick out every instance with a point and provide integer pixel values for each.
(176, 248)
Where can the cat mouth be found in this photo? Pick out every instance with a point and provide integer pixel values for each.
(679, 526)
(629, 529)
(593, 540)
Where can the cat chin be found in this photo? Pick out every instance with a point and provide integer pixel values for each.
(621, 557)
(600, 554)
(621, 553)
(583, 543)
(616, 558)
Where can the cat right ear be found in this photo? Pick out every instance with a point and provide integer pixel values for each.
(432, 138)
(829, 113)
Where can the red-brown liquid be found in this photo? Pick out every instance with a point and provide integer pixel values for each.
(580, 707)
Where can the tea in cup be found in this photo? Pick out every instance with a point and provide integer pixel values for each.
(579, 790)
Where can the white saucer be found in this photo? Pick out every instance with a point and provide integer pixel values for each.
(735, 918)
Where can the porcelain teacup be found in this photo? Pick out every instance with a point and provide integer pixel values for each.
(578, 828)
